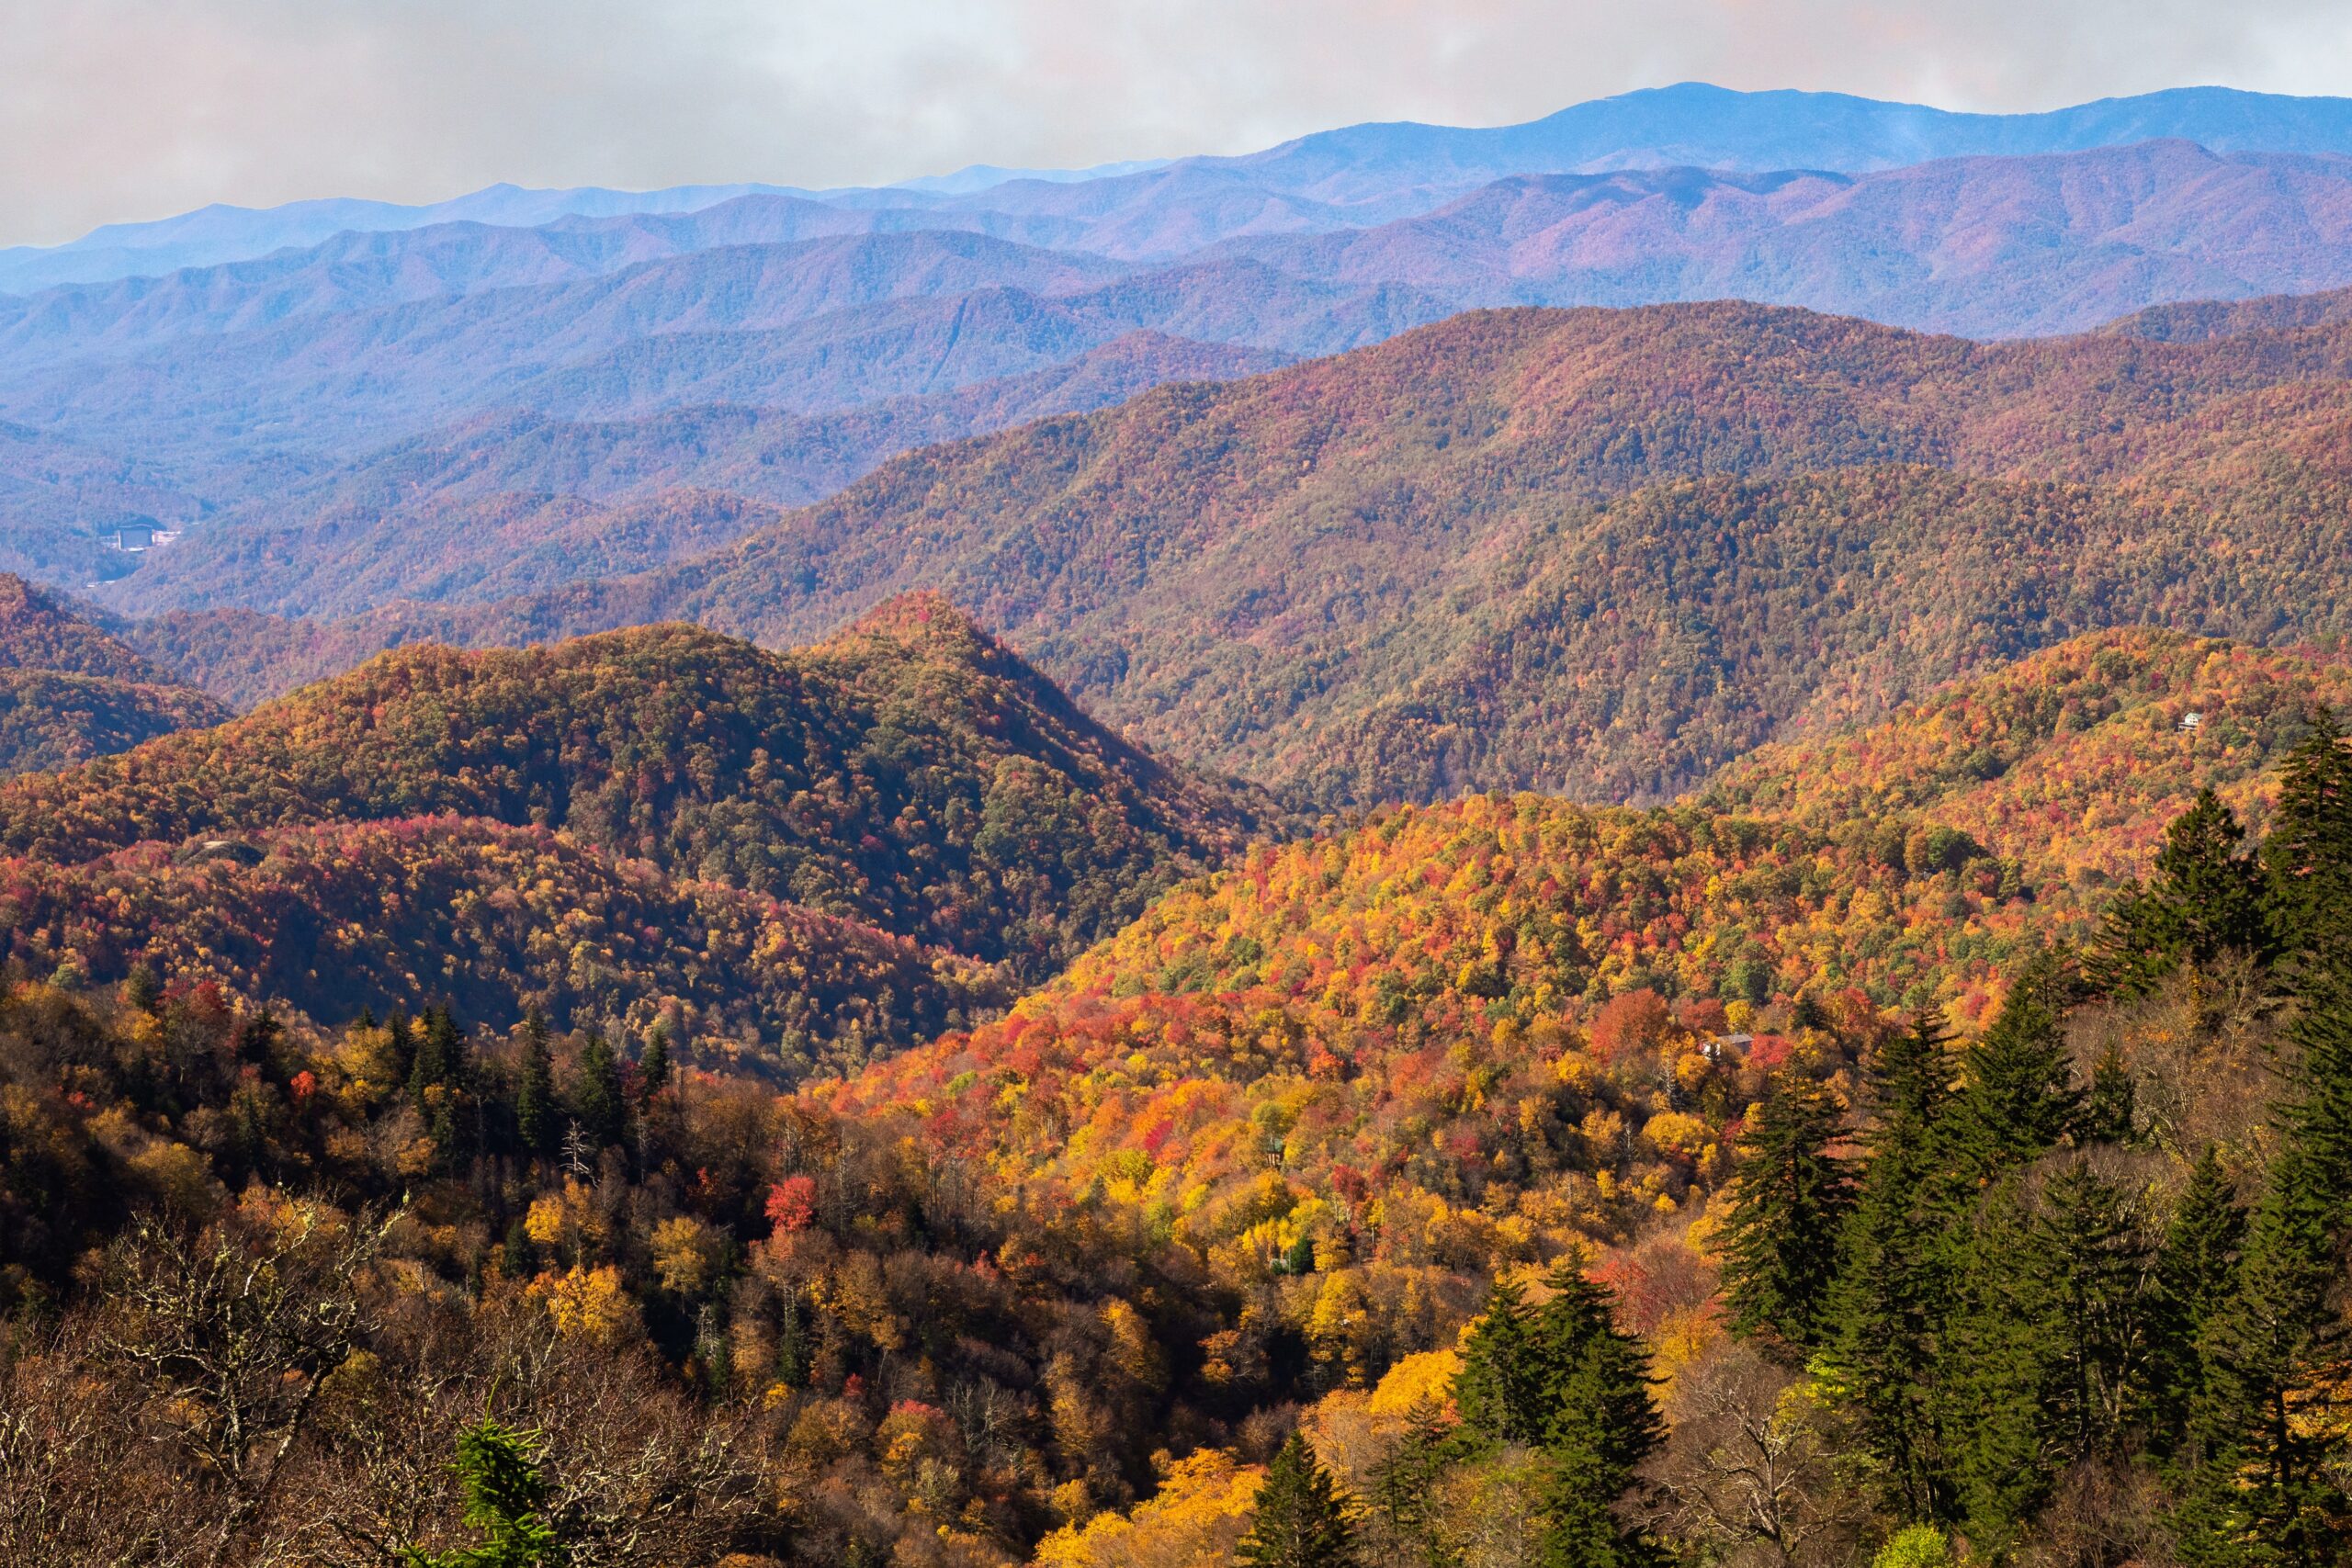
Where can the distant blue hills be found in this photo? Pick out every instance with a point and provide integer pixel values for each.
(1355, 175)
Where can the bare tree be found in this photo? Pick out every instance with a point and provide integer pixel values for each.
(1750, 1471)
(225, 1337)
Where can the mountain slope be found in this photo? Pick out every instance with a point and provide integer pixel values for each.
(908, 773)
(1989, 247)
(2073, 759)
(70, 691)
(1476, 556)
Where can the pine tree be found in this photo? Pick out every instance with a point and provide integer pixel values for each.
(2020, 1099)
(1595, 1378)
(1885, 1311)
(2266, 1470)
(597, 1102)
(499, 1468)
(2196, 1272)
(440, 1061)
(537, 1122)
(400, 1038)
(1405, 1479)
(1302, 1522)
(2307, 858)
(1778, 1237)
(2205, 899)
(2111, 1110)
(654, 1065)
(2046, 1356)
(1500, 1389)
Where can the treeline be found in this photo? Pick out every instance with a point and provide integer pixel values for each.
(910, 774)
(2060, 1324)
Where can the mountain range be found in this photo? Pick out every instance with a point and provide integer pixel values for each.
(1523, 548)
(780, 343)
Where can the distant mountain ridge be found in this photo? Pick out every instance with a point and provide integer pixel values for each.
(780, 344)
(1362, 167)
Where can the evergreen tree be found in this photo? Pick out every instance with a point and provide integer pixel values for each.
(597, 1101)
(2046, 1356)
(654, 1065)
(440, 1061)
(1787, 1209)
(1595, 1378)
(2196, 1272)
(537, 1120)
(499, 1468)
(1302, 1522)
(2111, 1110)
(2266, 1467)
(1405, 1479)
(2019, 1101)
(1500, 1389)
(1566, 1380)
(1885, 1309)
(400, 1045)
(2205, 899)
(2307, 858)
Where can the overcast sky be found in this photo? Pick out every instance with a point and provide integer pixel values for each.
(122, 109)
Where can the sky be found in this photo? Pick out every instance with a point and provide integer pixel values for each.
(119, 110)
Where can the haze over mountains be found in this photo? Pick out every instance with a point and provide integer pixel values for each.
(556, 356)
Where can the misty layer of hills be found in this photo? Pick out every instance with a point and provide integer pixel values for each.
(360, 403)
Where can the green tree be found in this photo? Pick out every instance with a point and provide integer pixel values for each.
(2019, 1099)
(2196, 1269)
(1788, 1206)
(597, 1101)
(2307, 857)
(1885, 1310)
(1563, 1379)
(1404, 1483)
(538, 1118)
(440, 1061)
(499, 1468)
(1302, 1520)
(654, 1065)
(2204, 899)
(1500, 1389)
(2266, 1470)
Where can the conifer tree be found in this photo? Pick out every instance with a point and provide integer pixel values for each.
(654, 1065)
(1405, 1479)
(1788, 1206)
(537, 1123)
(2204, 899)
(499, 1468)
(2019, 1100)
(1302, 1521)
(1564, 1379)
(1500, 1389)
(597, 1101)
(440, 1060)
(2307, 857)
(1595, 1379)
(1885, 1309)
(401, 1044)
(2196, 1272)
(2265, 1481)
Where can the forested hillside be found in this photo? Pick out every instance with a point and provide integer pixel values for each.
(1556, 551)
(69, 691)
(792, 857)
(1499, 1181)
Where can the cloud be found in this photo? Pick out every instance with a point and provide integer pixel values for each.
(113, 110)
